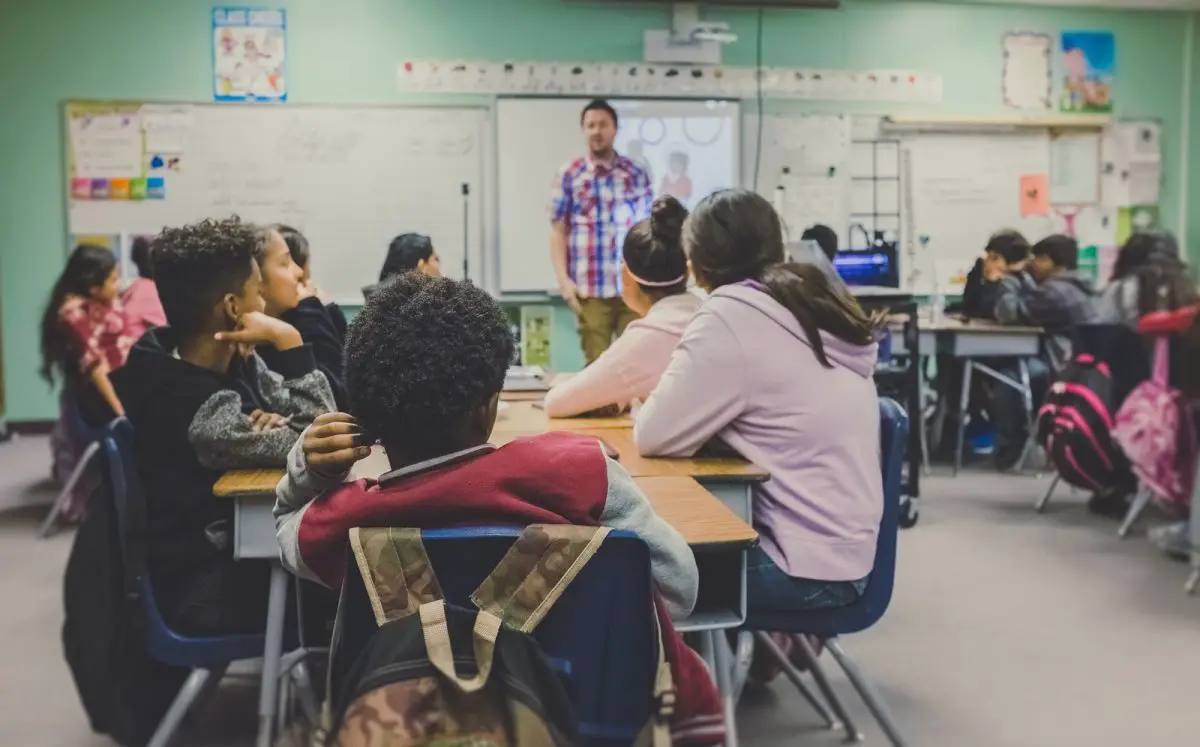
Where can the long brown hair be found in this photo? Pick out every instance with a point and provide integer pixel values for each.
(734, 235)
(87, 268)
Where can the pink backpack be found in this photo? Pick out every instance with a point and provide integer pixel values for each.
(1150, 428)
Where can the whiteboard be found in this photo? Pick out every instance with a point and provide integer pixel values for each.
(961, 189)
(535, 138)
(815, 150)
(350, 178)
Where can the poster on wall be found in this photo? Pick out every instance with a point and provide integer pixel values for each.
(249, 54)
(1027, 79)
(1089, 66)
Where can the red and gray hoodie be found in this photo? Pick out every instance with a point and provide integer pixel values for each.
(554, 478)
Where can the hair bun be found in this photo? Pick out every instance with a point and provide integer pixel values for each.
(667, 215)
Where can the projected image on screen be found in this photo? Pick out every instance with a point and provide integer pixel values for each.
(687, 157)
(689, 147)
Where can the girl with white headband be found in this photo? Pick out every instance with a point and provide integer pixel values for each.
(654, 284)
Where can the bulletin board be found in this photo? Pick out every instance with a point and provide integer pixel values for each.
(350, 178)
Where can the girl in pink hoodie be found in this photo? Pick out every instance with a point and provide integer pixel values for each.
(654, 285)
(778, 365)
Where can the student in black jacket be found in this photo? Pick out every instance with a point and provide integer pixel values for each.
(201, 403)
(290, 299)
(1006, 254)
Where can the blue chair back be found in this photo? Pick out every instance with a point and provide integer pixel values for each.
(599, 636)
(161, 642)
(893, 442)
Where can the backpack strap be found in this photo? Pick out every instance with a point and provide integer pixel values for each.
(1162, 360)
(535, 571)
(441, 655)
(657, 731)
(395, 571)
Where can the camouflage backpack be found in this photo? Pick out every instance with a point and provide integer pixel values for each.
(413, 683)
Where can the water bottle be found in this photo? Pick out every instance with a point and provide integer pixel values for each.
(937, 307)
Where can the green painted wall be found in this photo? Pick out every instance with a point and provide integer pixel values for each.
(347, 52)
(1193, 196)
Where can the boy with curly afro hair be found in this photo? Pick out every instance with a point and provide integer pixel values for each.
(201, 402)
(425, 364)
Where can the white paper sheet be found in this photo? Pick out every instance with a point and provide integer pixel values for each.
(166, 127)
(1027, 70)
(1075, 169)
(107, 146)
(1131, 171)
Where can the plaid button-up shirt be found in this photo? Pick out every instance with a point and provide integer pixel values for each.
(599, 203)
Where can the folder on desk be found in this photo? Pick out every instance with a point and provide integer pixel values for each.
(526, 379)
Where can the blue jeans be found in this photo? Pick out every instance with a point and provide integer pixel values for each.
(771, 591)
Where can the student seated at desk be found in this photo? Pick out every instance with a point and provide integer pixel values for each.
(289, 298)
(1006, 254)
(654, 279)
(408, 252)
(1052, 295)
(85, 338)
(1148, 276)
(298, 247)
(425, 364)
(201, 402)
(143, 309)
(779, 366)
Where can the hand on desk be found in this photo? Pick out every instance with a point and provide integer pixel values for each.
(334, 442)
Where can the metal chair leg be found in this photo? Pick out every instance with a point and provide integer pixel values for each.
(305, 693)
(192, 687)
(1193, 581)
(724, 662)
(1040, 506)
(1140, 501)
(1030, 423)
(875, 703)
(64, 496)
(793, 674)
(818, 672)
(964, 404)
(743, 656)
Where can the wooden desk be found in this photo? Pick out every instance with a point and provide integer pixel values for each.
(621, 439)
(522, 396)
(718, 537)
(525, 418)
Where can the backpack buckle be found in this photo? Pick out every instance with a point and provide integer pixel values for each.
(666, 705)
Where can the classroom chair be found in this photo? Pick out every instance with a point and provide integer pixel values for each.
(207, 657)
(829, 625)
(76, 424)
(599, 636)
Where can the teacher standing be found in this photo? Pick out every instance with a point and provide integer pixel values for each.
(596, 200)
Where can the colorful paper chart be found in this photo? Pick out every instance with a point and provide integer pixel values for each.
(156, 188)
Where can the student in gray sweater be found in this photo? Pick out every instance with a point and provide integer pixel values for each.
(201, 402)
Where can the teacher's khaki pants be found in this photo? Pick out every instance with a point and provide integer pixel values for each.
(600, 321)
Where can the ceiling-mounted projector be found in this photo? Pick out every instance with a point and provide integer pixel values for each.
(701, 31)
(689, 41)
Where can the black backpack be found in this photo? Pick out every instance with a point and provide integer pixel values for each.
(1074, 426)
(124, 692)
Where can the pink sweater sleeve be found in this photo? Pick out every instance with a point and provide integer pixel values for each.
(700, 393)
(628, 370)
